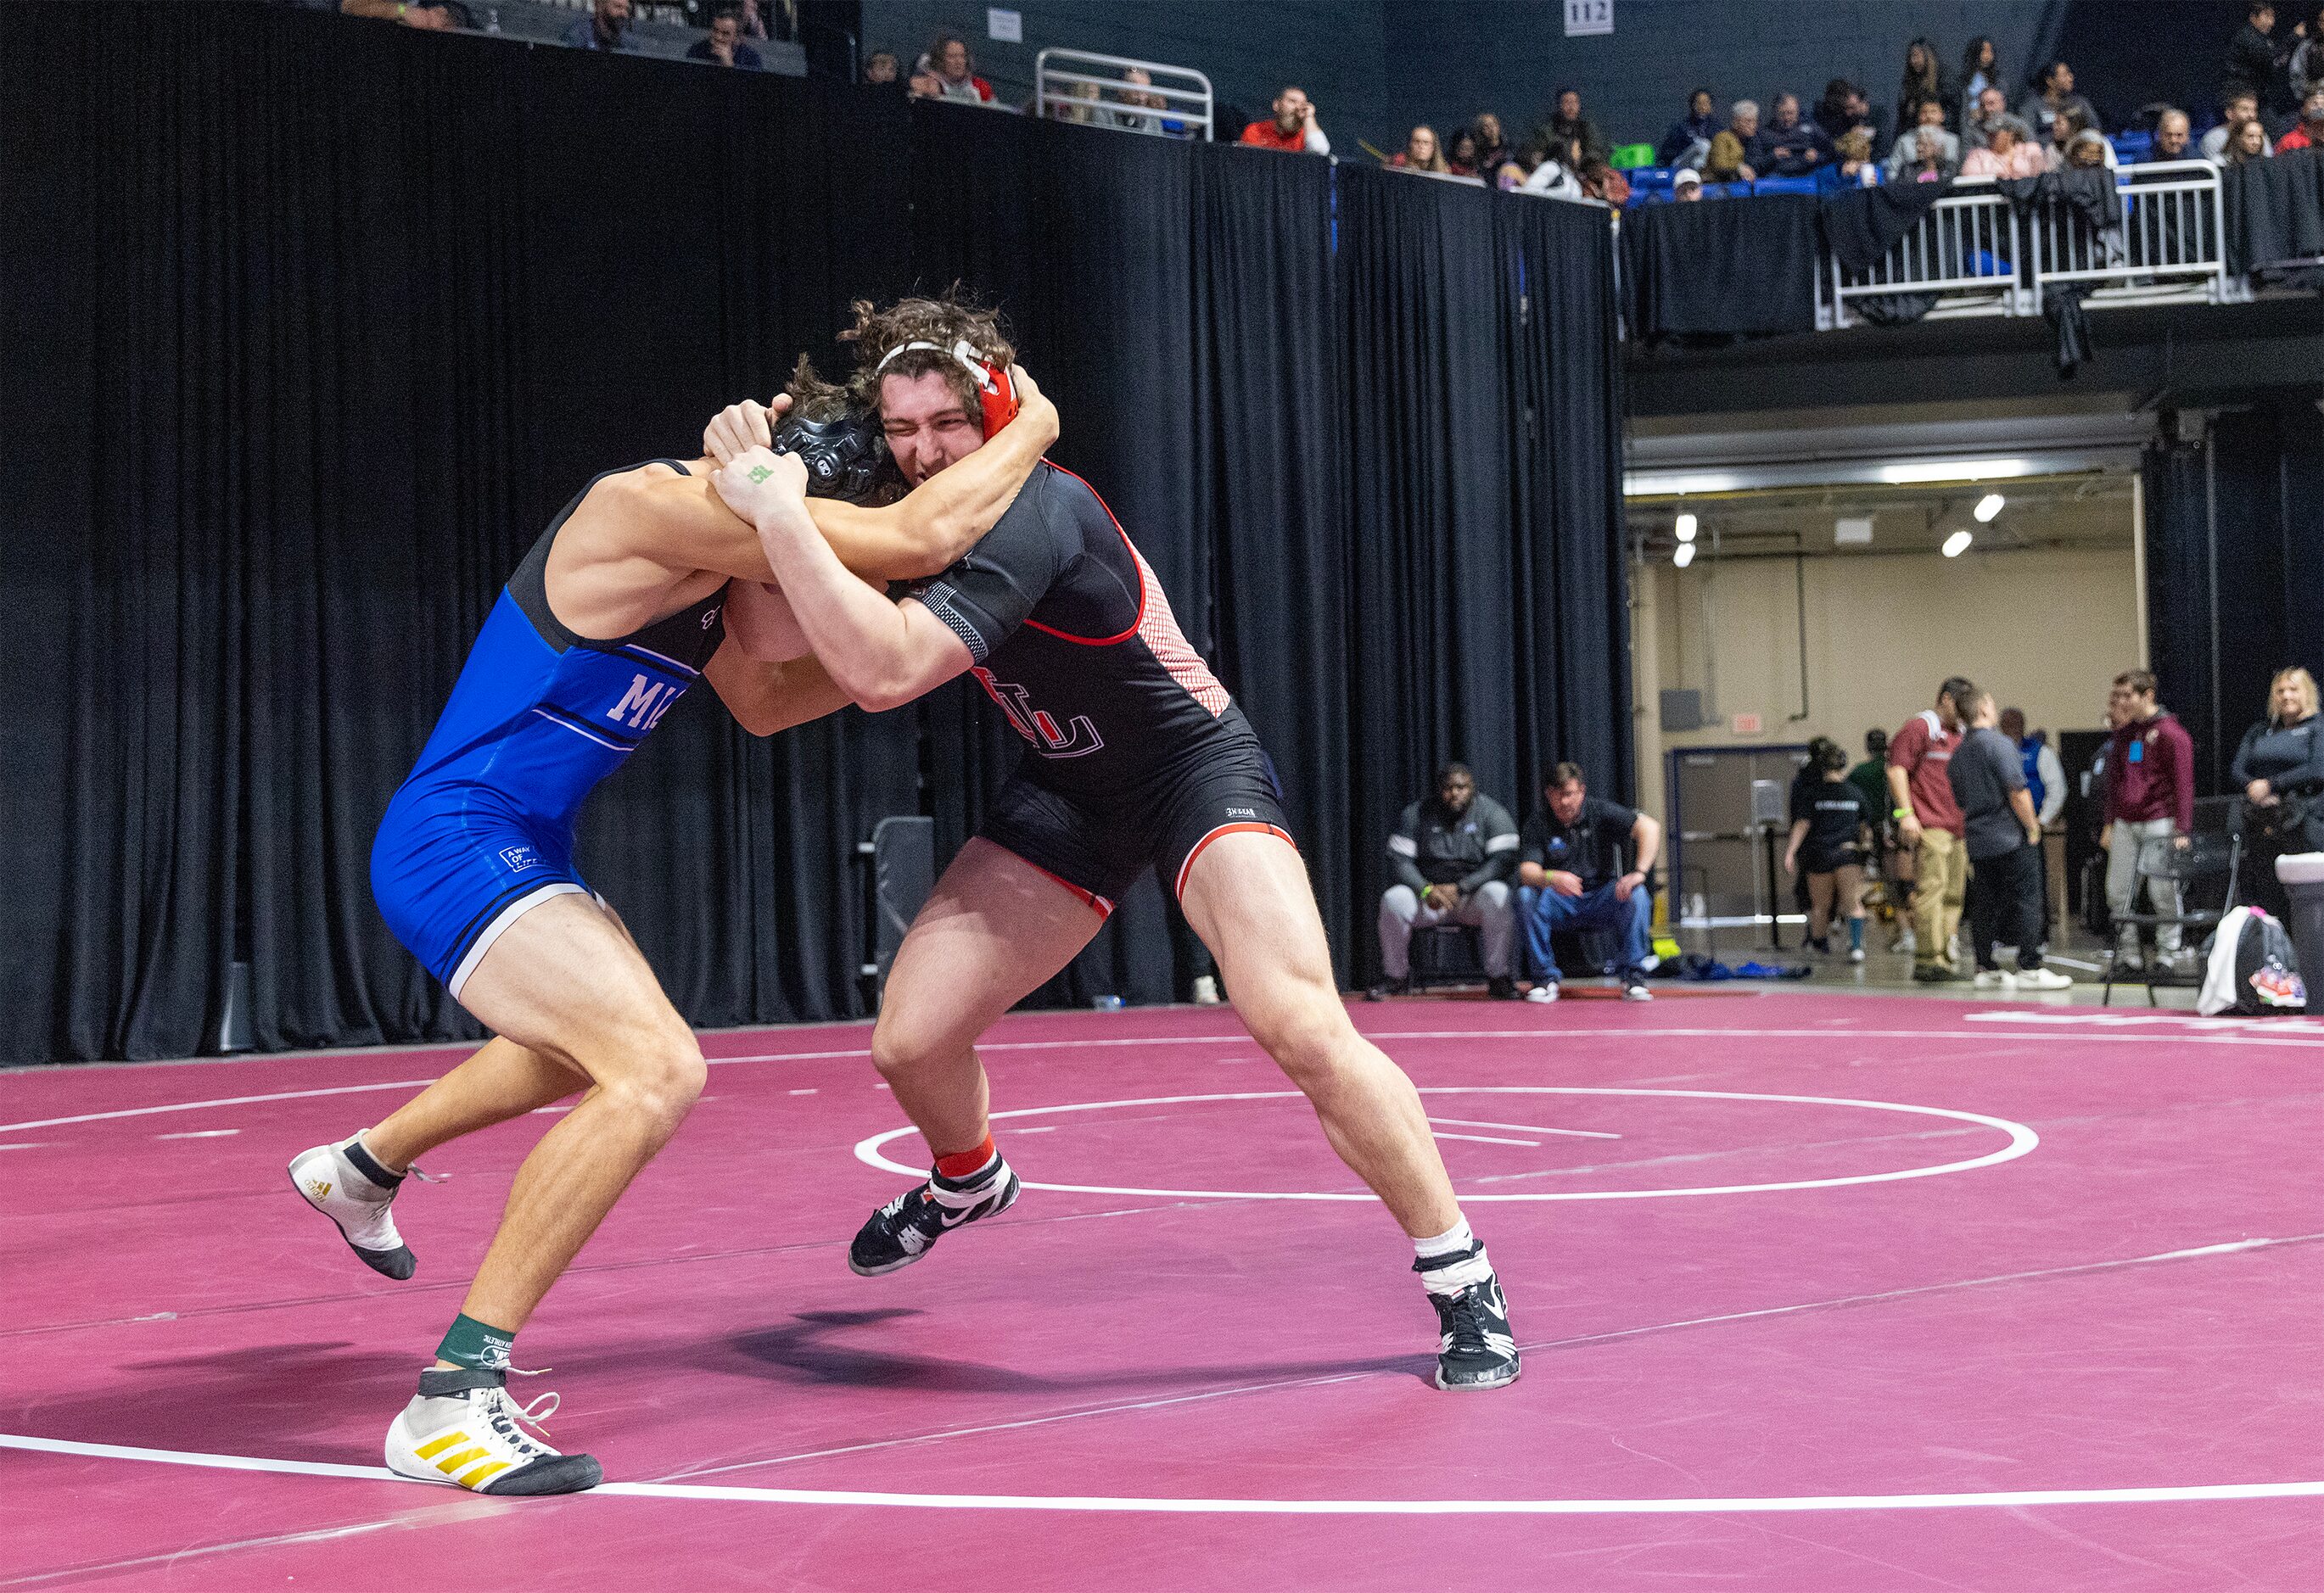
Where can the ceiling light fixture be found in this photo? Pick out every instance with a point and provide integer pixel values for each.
(1958, 543)
(1683, 528)
(1683, 555)
(1988, 507)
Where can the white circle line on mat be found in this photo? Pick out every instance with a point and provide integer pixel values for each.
(1743, 1506)
(2022, 1139)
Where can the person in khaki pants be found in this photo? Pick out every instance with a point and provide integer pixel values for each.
(1929, 820)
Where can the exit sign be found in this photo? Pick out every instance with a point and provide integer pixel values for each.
(1746, 724)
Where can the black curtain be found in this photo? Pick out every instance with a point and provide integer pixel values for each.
(310, 325)
(2235, 570)
(1721, 267)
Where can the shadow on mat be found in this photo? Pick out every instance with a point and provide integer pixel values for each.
(805, 1349)
(321, 1401)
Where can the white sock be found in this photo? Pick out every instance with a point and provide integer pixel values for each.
(1464, 1261)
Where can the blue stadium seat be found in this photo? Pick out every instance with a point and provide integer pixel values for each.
(2129, 147)
(1726, 190)
(1784, 185)
(1657, 178)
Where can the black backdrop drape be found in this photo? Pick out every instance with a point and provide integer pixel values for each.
(2236, 581)
(304, 351)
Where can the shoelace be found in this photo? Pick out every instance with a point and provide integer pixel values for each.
(1464, 1321)
(535, 1414)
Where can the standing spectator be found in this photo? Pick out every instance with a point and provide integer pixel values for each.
(2054, 93)
(2280, 770)
(1924, 78)
(1988, 109)
(1981, 71)
(1871, 778)
(2172, 133)
(724, 46)
(2307, 63)
(1461, 158)
(1450, 860)
(1791, 146)
(1567, 125)
(2310, 133)
(880, 68)
(2236, 108)
(1830, 830)
(2009, 154)
(1420, 153)
(2255, 58)
(1842, 108)
(1294, 127)
(1929, 820)
(1493, 150)
(2088, 150)
(1570, 875)
(1927, 151)
(1688, 141)
(1852, 163)
(954, 72)
(2150, 796)
(606, 27)
(431, 18)
(2248, 142)
(2003, 841)
(2045, 782)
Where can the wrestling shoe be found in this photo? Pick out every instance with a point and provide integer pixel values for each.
(1501, 989)
(462, 1428)
(347, 1186)
(900, 1232)
(1476, 1350)
(1633, 989)
(1544, 992)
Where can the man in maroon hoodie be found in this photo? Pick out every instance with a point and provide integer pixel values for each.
(2150, 796)
(1929, 820)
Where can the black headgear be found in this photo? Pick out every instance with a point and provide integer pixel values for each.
(846, 457)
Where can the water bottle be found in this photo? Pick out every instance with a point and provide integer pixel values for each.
(492, 20)
(1106, 1004)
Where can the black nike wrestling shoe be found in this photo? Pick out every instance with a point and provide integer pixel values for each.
(900, 1232)
(1477, 1350)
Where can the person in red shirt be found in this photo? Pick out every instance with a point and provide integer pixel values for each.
(1294, 127)
(2310, 133)
(1928, 819)
(2150, 796)
(954, 70)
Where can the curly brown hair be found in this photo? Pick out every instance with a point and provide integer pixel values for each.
(943, 321)
(813, 398)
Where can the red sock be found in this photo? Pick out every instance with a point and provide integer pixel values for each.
(966, 1164)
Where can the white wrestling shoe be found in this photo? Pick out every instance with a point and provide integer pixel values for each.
(1543, 993)
(462, 1428)
(2043, 979)
(352, 1196)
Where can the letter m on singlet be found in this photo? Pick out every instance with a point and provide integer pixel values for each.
(637, 703)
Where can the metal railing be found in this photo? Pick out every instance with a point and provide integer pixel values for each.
(1077, 86)
(1974, 254)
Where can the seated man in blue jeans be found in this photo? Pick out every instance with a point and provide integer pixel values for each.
(1572, 874)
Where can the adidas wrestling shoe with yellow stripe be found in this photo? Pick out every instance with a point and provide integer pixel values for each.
(346, 1184)
(462, 1428)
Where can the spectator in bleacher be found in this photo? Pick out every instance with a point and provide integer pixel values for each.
(1601, 181)
(1567, 125)
(1928, 150)
(1461, 156)
(1294, 127)
(435, 18)
(1991, 106)
(2247, 142)
(1551, 178)
(1725, 163)
(722, 45)
(606, 27)
(1981, 71)
(2310, 133)
(1790, 145)
(1449, 860)
(2054, 93)
(1420, 153)
(880, 67)
(1852, 165)
(949, 62)
(1743, 121)
(1493, 150)
(1924, 78)
(1139, 92)
(2008, 153)
(1689, 138)
(2172, 133)
(1510, 175)
(924, 86)
(1584, 864)
(1687, 186)
(2074, 143)
(2306, 68)
(1843, 106)
(2236, 107)
(2255, 57)
(2089, 150)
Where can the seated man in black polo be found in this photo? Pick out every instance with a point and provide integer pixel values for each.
(1573, 874)
(1449, 862)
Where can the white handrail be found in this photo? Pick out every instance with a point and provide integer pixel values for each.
(1110, 100)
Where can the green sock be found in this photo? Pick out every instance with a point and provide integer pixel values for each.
(475, 1344)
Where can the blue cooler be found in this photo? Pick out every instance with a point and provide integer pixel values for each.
(2303, 875)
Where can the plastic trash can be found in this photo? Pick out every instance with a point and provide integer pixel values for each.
(2302, 874)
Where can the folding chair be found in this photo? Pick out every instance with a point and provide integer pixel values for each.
(1430, 961)
(2208, 858)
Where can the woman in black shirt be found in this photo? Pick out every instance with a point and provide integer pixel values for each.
(2281, 768)
(1828, 830)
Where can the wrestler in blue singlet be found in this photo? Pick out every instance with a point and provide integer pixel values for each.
(483, 829)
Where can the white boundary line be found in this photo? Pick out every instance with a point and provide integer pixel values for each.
(1745, 1504)
(2022, 1139)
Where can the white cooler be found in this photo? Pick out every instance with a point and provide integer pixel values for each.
(2302, 874)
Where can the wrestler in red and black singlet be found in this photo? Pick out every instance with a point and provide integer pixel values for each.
(1136, 756)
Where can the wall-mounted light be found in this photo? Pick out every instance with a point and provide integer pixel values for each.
(1683, 555)
(1958, 543)
(1683, 528)
(1988, 507)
